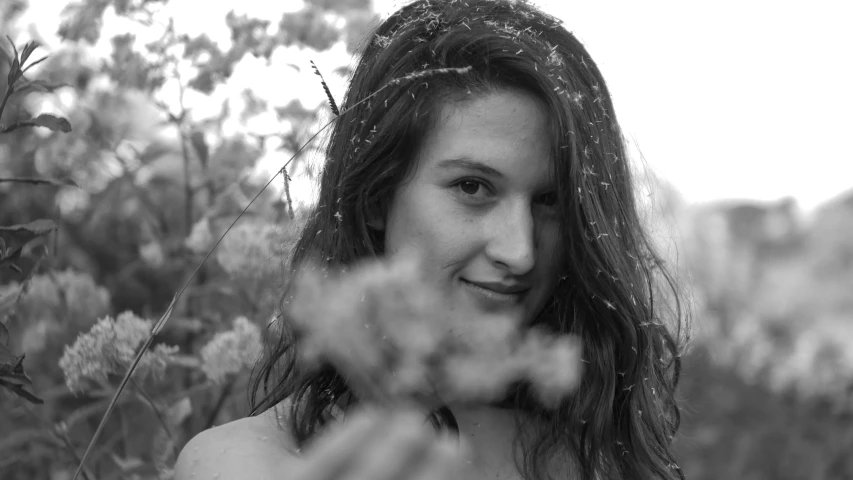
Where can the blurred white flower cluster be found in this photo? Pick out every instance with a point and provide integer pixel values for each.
(201, 237)
(231, 351)
(384, 329)
(809, 360)
(109, 348)
(67, 296)
(250, 250)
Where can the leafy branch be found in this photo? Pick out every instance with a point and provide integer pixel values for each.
(14, 238)
(16, 73)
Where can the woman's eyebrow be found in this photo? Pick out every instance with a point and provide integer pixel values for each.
(470, 164)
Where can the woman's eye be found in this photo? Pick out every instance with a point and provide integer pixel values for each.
(469, 187)
(473, 189)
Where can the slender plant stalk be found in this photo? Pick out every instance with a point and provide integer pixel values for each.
(147, 399)
(220, 402)
(9, 90)
(122, 420)
(168, 313)
(69, 447)
(123, 384)
(188, 188)
(33, 181)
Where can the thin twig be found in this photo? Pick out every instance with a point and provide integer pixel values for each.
(15, 126)
(37, 181)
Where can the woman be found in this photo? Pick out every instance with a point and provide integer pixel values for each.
(492, 149)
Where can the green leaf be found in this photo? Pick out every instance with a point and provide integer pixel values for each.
(34, 64)
(9, 257)
(7, 360)
(16, 236)
(14, 72)
(7, 302)
(27, 395)
(13, 46)
(53, 122)
(12, 375)
(28, 50)
(15, 381)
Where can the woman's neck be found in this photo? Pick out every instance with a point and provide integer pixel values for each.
(488, 433)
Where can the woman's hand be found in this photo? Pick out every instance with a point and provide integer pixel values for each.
(378, 445)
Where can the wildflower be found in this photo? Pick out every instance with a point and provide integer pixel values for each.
(554, 59)
(201, 238)
(384, 333)
(231, 351)
(576, 98)
(552, 364)
(36, 335)
(109, 348)
(67, 297)
(152, 254)
(380, 310)
(84, 299)
(383, 41)
(250, 249)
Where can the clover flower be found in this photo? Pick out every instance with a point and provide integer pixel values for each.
(231, 351)
(109, 348)
(382, 328)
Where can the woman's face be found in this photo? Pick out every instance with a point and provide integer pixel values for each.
(479, 208)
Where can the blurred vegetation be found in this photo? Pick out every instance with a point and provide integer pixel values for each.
(150, 176)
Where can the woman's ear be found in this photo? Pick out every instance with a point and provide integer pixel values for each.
(375, 218)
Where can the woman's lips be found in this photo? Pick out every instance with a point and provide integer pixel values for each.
(494, 298)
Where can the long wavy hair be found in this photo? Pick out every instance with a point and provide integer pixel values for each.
(616, 293)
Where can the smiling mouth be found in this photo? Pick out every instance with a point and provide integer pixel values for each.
(492, 297)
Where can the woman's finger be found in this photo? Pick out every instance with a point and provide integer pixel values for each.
(403, 447)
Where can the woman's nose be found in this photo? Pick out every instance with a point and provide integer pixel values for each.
(512, 239)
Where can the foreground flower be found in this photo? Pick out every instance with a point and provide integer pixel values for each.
(231, 351)
(383, 329)
(109, 348)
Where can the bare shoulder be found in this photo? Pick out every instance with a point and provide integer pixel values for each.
(253, 447)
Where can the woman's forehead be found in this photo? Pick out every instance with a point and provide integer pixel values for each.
(505, 131)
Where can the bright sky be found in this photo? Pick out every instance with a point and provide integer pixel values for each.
(730, 98)
(726, 99)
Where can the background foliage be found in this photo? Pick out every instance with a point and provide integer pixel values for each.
(147, 180)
